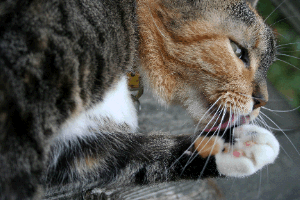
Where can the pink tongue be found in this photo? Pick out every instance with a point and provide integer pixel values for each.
(244, 120)
(224, 125)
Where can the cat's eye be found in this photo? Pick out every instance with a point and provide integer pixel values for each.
(236, 49)
(240, 52)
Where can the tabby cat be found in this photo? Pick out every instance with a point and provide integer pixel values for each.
(66, 114)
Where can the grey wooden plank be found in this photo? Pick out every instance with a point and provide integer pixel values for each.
(186, 189)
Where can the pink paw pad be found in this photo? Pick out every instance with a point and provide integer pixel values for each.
(249, 143)
(238, 153)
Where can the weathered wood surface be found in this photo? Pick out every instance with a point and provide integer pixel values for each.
(187, 190)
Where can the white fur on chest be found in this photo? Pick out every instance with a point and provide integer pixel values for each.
(117, 106)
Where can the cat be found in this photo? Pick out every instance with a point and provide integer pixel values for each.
(67, 118)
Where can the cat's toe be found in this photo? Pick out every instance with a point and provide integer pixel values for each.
(254, 148)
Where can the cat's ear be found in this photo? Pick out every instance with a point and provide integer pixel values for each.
(253, 3)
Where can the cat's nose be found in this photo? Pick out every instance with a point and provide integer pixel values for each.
(259, 100)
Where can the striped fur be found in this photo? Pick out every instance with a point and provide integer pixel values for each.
(67, 120)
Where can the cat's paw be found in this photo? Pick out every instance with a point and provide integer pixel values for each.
(254, 148)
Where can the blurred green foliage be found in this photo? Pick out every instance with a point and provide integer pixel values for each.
(283, 74)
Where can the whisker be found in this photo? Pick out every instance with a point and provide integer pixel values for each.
(272, 128)
(268, 174)
(274, 10)
(256, 122)
(275, 113)
(217, 130)
(259, 186)
(282, 132)
(202, 171)
(281, 111)
(229, 120)
(195, 151)
(281, 35)
(288, 51)
(283, 19)
(282, 54)
(230, 130)
(214, 143)
(286, 153)
(239, 119)
(210, 122)
(286, 44)
(196, 138)
(288, 63)
(275, 129)
(206, 113)
(264, 122)
(216, 110)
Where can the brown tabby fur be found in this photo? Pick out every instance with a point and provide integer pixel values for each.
(61, 61)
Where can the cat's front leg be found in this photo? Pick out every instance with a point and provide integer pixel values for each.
(252, 149)
(121, 159)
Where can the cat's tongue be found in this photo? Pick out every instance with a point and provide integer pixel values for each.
(243, 120)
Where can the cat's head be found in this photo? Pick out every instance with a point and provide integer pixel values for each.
(206, 54)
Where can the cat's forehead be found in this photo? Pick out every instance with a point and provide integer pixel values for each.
(234, 19)
(212, 24)
(241, 23)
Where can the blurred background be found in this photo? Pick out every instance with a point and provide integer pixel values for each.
(284, 18)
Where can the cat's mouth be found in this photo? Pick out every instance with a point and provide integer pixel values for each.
(229, 122)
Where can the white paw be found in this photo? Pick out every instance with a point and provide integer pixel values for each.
(254, 148)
